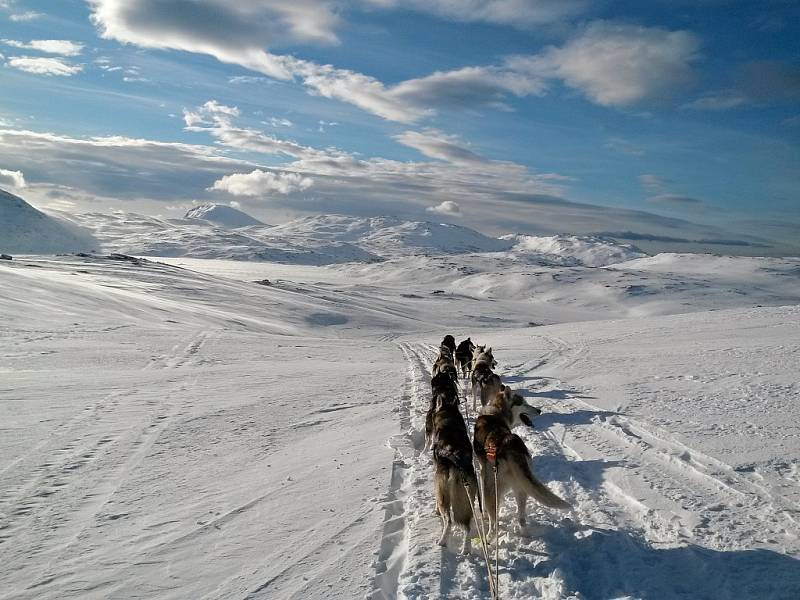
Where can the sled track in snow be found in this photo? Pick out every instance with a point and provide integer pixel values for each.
(647, 520)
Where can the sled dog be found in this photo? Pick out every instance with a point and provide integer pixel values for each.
(464, 356)
(445, 363)
(450, 342)
(454, 479)
(513, 461)
(485, 383)
(441, 385)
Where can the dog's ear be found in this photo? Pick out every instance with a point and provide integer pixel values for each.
(502, 388)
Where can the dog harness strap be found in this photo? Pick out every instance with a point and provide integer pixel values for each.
(491, 450)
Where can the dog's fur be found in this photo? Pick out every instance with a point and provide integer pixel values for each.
(464, 356)
(493, 428)
(445, 363)
(484, 381)
(442, 385)
(452, 459)
(450, 342)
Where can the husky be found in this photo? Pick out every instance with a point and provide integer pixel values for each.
(454, 480)
(443, 385)
(445, 363)
(484, 381)
(450, 342)
(464, 356)
(513, 461)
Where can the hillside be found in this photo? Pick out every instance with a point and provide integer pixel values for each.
(25, 230)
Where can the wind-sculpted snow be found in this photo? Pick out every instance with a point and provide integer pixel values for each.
(25, 230)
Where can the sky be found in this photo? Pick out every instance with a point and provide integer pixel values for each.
(670, 121)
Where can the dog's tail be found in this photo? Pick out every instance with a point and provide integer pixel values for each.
(533, 486)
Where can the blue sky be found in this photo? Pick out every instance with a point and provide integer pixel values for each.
(667, 119)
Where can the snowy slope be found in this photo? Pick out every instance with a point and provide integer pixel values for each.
(222, 215)
(588, 251)
(25, 230)
(140, 235)
(391, 237)
(176, 434)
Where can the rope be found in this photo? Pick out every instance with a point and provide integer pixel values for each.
(482, 534)
(497, 534)
(484, 544)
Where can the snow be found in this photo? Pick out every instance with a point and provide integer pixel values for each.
(173, 429)
(140, 235)
(588, 251)
(220, 214)
(25, 230)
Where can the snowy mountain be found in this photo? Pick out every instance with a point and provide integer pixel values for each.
(140, 235)
(25, 230)
(589, 251)
(391, 237)
(222, 215)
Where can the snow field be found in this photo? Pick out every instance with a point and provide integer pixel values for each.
(170, 433)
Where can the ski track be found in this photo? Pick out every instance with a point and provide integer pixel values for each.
(650, 515)
(65, 465)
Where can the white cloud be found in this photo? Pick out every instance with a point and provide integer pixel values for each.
(718, 101)
(469, 86)
(63, 47)
(448, 207)
(145, 176)
(28, 15)
(618, 64)
(246, 79)
(12, 178)
(436, 144)
(260, 183)
(116, 166)
(233, 32)
(44, 66)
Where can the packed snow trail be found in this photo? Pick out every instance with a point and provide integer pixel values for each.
(653, 518)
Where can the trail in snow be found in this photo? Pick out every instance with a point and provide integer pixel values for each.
(649, 512)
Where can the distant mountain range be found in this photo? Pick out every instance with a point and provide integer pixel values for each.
(224, 232)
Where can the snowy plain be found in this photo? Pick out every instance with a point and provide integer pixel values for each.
(170, 428)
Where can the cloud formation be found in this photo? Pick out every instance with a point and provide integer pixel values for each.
(447, 207)
(12, 178)
(39, 65)
(262, 183)
(615, 64)
(612, 64)
(62, 47)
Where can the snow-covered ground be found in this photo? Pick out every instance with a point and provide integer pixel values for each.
(181, 431)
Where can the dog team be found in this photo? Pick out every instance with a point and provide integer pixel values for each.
(494, 444)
